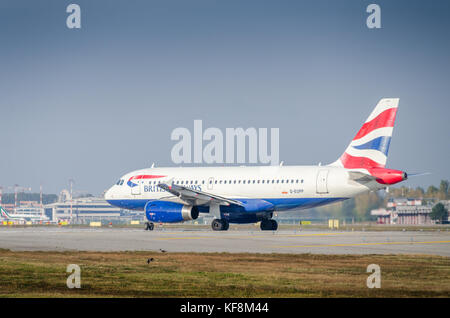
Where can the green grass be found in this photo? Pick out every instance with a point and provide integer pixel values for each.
(127, 274)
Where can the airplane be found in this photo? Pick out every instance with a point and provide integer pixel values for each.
(253, 194)
(21, 217)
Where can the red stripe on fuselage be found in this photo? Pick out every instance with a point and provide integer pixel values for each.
(145, 176)
(384, 119)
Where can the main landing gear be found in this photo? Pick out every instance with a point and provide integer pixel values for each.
(220, 225)
(149, 226)
(269, 225)
(223, 225)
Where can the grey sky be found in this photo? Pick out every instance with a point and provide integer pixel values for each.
(95, 103)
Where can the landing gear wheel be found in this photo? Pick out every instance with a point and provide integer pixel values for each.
(149, 226)
(274, 225)
(269, 225)
(226, 225)
(220, 225)
(216, 225)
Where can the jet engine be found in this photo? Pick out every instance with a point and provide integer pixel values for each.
(170, 212)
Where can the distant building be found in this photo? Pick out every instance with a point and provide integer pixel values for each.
(383, 216)
(82, 210)
(9, 207)
(406, 211)
(418, 214)
(29, 203)
(394, 202)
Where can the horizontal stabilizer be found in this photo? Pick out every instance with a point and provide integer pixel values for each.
(360, 177)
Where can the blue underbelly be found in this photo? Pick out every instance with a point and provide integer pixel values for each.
(277, 204)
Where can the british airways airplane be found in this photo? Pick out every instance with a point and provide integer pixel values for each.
(253, 194)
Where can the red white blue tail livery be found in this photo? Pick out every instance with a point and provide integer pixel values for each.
(369, 148)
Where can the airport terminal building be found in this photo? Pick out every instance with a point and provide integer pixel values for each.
(82, 210)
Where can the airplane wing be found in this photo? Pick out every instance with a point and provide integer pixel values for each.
(196, 197)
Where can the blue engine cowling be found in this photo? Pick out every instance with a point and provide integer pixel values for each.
(170, 212)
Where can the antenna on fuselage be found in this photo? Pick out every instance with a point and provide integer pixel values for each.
(153, 165)
(281, 163)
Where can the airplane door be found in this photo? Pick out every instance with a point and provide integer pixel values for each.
(321, 184)
(136, 190)
(210, 183)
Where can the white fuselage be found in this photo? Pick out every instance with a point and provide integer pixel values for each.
(285, 186)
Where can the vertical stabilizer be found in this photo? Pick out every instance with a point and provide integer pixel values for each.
(369, 148)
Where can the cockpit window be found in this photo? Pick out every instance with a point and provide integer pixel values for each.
(121, 182)
(118, 182)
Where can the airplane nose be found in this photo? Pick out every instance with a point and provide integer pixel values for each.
(108, 194)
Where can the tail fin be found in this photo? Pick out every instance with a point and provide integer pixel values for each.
(3, 213)
(369, 148)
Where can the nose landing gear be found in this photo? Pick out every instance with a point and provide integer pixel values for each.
(220, 225)
(269, 225)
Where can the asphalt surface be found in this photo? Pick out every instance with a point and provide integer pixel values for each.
(236, 241)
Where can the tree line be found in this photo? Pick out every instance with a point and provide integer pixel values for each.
(8, 198)
(359, 208)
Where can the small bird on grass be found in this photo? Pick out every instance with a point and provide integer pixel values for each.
(149, 260)
(162, 251)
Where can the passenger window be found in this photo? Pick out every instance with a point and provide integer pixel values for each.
(243, 181)
(302, 180)
(215, 182)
